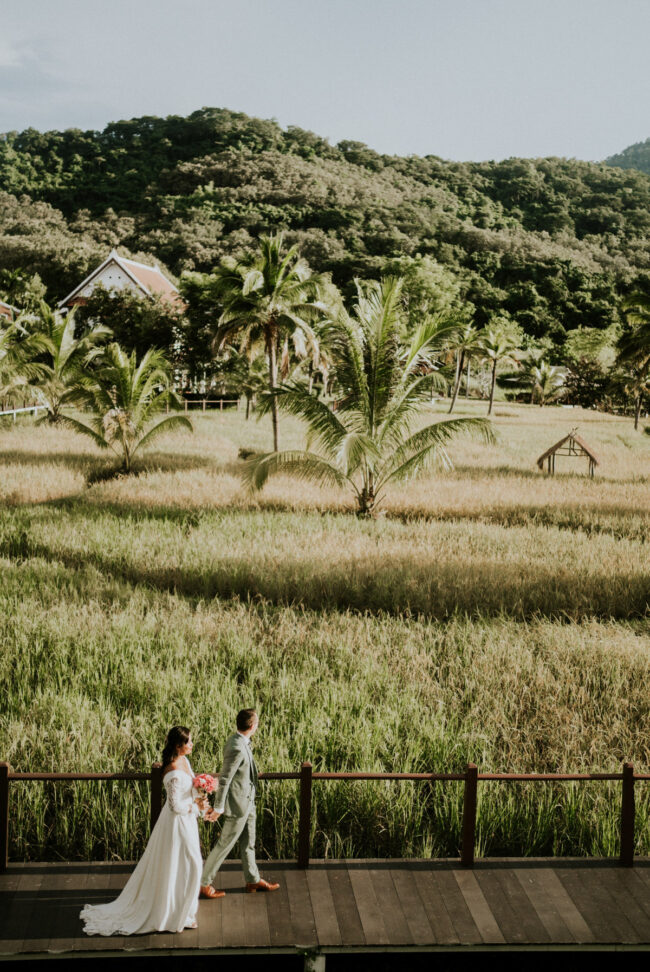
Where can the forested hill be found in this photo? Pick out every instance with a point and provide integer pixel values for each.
(554, 243)
(635, 156)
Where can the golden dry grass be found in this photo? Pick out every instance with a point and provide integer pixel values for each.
(200, 470)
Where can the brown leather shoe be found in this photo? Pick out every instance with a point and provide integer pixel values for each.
(207, 891)
(261, 885)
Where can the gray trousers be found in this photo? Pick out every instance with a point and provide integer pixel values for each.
(232, 830)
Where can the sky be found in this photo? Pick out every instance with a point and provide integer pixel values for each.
(462, 79)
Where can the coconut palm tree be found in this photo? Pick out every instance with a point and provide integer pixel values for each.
(369, 441)
(268, 296)
(465, 345)
(497, 344)
(248, 372)
(125, 396)
(19, 350)
(545, 382)
(69, 357)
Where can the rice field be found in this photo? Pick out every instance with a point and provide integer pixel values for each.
(490, 614)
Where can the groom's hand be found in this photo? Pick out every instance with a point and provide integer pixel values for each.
(212, 816)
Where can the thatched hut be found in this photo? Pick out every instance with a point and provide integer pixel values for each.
(570, 445)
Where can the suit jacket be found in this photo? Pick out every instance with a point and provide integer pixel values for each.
(235, 790)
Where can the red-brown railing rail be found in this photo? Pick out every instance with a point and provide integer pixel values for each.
(470, 777)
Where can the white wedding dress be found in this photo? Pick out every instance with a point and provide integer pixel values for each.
(162, 894)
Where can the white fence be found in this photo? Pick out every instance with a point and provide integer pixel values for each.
(17, 411)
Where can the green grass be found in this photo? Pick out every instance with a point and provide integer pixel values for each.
(491, 615)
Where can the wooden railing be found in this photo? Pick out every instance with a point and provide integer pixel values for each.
(306, 777)
(202, 402)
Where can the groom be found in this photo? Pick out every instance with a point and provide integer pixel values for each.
(235, 799)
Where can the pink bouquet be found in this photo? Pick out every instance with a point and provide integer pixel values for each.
(205, 783)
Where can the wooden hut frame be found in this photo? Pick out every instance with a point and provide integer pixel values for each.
(570, 445)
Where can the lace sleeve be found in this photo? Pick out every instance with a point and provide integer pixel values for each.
(177, 802)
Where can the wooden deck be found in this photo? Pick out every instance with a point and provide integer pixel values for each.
(336, 906)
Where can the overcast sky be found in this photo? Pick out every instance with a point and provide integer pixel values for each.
(463, 79)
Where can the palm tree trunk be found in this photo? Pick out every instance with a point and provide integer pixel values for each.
(248, 407)
(272, 351)
(637, 411)
(469, 364)
(459, 372)
(494, 380)
(367, 498)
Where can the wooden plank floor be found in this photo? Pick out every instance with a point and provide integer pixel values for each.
(339, 905)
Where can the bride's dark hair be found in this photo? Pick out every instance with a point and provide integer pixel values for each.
(176, 737)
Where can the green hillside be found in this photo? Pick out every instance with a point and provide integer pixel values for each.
(635, 156)
(552, 242)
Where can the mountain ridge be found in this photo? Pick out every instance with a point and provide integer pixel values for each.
(552, 243)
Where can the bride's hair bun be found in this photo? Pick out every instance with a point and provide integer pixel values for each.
(176, 737)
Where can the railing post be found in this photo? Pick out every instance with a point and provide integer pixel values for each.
(469, 815)
(304, 826)
(5, 769)
(156, 792)
(627, 816)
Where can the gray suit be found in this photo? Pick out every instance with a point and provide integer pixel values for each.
(235, 796)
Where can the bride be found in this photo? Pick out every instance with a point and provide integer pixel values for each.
(162, 893)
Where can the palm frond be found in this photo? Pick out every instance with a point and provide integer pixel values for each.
(165, 425)
(323, 424)
(77, 426)
(412, 454)
(303, 465)
(405, 407)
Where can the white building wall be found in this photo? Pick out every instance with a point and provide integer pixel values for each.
(112, 277)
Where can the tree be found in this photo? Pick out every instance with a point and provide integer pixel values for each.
(368, 440)
(60, 381)
(137, 322)
(124, 397)
(466, 344)
(634, 350)
(497, 345)
(19, 350)
(22, 289)
(586, 384)
(428, 288)
(249, 374)
(543, 381)
(267, 295)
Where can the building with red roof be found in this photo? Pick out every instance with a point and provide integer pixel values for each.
(118, 273)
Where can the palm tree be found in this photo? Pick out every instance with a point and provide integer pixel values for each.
(60, 381)
(124, 397)
(497, 344)
(545, 382)
(634, 350)
(248, 371)
(268, 295)
(465, 344)
(19, 349)
(368, 441)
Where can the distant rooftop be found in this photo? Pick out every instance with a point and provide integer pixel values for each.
(148, 280)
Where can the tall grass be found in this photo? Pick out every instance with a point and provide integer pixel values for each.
(335, 561)
(493, 615)
(95, 670)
